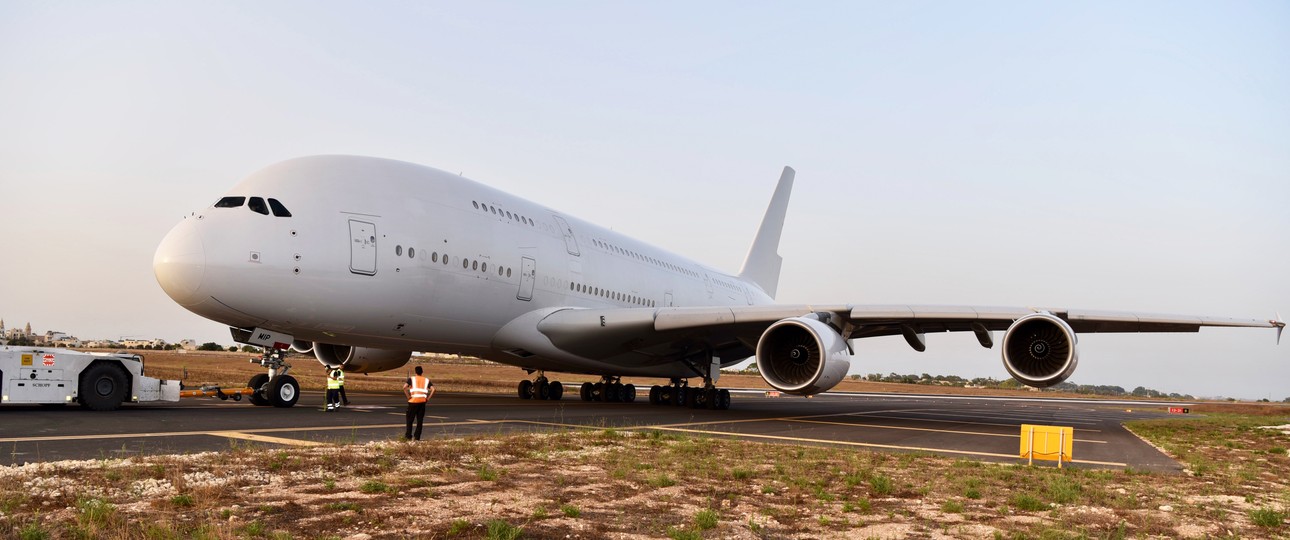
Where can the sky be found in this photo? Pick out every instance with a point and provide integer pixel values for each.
(1130, 156)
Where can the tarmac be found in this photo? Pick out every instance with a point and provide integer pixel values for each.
(971, 428)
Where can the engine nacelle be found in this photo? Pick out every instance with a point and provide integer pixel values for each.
(359, 359)
(802, 356)
(1039, 350)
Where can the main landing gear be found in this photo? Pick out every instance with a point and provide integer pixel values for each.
(609, 389)
(541, 388)
(680, 394)
(276, 387)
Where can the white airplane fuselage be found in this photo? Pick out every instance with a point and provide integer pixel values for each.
(397, 256)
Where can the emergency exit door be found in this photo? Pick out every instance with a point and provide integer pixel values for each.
(362, 247)
(528, 276)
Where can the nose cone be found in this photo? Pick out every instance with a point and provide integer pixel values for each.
(180, 263)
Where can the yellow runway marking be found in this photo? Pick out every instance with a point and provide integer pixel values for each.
(956, 432)
(1009, 426)
(222, 433)
(265, 438)
(874, 445)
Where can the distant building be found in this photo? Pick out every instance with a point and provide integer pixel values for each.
(188, 344)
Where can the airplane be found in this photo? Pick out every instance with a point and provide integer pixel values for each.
(361, 261)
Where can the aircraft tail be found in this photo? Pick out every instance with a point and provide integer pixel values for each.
(763, 262)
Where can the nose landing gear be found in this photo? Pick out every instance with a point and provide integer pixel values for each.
(275, 388)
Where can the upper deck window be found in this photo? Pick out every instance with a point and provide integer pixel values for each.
(278, 209)
(230, 202)
(257, 205)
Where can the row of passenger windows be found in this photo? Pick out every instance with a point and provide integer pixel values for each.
(256, 204)
(502, 213)
(612, 295)
(466, 264)
(645, 258)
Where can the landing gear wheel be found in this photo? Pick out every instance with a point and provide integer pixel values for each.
(556, 391)
(103, 388)
(629, 393)
(541, 390)
(710, 399)
(694, 398)
(653, 395)
(283, 391)
(526, 389)
(723, 399)
(679, 395)
(257, 384)
(585, 391)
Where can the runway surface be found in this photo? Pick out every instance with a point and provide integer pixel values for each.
(983, 429)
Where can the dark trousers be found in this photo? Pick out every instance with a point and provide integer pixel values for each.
(333, 397)
(416, 411)
(343, 397)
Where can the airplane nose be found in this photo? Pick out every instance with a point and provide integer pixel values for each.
(180, 263)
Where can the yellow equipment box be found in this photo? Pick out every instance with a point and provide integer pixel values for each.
(1052, 443)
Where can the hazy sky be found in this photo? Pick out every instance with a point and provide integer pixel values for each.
(1100, 155)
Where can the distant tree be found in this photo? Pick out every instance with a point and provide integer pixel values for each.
(250, 349)
(232, 348)
(210, 346)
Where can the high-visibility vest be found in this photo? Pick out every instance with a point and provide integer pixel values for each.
(332, 382)
(420, 390)
(340, 377)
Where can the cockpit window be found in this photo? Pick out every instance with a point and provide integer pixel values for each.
(230, 202)
(278, 209)
(257, 205)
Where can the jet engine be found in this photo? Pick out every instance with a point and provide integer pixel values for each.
(1039, 350)
(802, 356)
(359, 359)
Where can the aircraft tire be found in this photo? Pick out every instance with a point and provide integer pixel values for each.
(542, 390)
(585, 391)
(723, 399)
(257, 383)
(525, 389)
(103, 388)
(679, 395)
(653, 395)
(283, 391)
(629, 393)
(557, 391)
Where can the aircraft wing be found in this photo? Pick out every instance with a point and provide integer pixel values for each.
(600, 333)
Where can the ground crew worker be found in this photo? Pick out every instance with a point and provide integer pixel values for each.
(333, 389)
(343, 397)
(418, 390)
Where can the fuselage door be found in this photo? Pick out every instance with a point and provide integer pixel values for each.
(362, 247)
(528, 276)
(570, 243)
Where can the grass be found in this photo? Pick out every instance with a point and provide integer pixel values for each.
(1027, 502)
(458, 526)
(705, 519)
(882, 485)
(1267, 517)
(182, 501)
(570, 510)
(375, 486)
(501, 530)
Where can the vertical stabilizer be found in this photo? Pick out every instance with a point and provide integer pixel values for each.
(763, 262)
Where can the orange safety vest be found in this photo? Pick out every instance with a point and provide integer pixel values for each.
(420, 389)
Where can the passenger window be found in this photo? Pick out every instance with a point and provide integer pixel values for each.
(412, 253)
(257, 205)
(508, 272)
(483, 267)
(474, 265)
(465, 264)
(476, 203)
(398, 250)
(278, 209)
(434, 257)
(230, 202)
